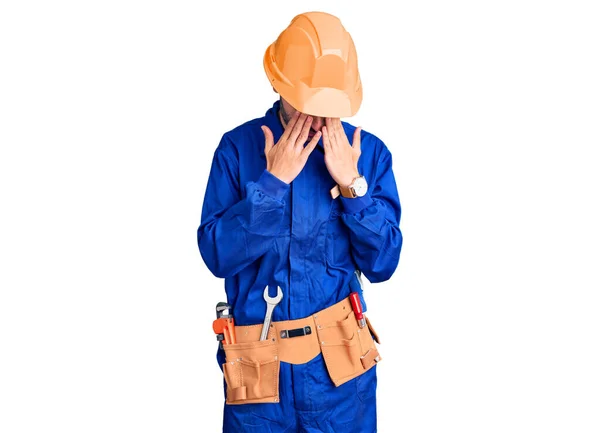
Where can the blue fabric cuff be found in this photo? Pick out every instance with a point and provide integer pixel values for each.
(272, 185)
(354, 205)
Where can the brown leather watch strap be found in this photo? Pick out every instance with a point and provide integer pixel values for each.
(346, 192)
(341, 190)
(335, 192)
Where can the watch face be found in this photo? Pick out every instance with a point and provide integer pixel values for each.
(360, 186)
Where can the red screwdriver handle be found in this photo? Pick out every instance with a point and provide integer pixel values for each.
(357, 308)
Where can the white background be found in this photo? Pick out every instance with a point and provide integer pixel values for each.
(109, 115)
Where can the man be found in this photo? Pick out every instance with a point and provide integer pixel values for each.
(301, 202)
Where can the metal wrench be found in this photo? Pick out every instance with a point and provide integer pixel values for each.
(271, 303)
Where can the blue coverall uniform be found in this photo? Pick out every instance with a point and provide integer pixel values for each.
(256, 230)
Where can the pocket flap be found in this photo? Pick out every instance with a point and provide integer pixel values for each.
(238, 393)
(371, 356)
(255, 351)
(338, 329)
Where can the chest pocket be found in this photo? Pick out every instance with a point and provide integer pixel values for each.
(337, 241)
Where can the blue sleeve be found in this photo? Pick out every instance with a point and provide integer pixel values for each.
(374, 223)
(235, 231)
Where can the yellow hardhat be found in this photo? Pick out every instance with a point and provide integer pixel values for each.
(313, 66)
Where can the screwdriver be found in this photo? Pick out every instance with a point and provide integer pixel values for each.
(357, 308)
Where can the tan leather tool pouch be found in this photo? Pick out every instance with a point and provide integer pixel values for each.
(252, 372)
(252, 366)
(348, 350)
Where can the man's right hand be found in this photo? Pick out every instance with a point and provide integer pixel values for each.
(287, 159)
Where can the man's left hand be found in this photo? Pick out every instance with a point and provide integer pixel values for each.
(341, 159)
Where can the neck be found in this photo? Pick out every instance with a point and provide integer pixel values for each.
(283, 117)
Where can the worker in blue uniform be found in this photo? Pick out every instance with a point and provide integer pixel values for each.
(300, 200)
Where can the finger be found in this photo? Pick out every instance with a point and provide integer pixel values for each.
(268, 138)
(337, 122)
(311, 145)
(356, 139)
(297, 128)
(305, 129)
(290, 126)
(330, 132)
(326, 143)
(340, 132)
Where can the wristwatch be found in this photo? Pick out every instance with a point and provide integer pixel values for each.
(357, 188)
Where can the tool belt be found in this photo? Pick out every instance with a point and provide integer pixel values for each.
(251, 369)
